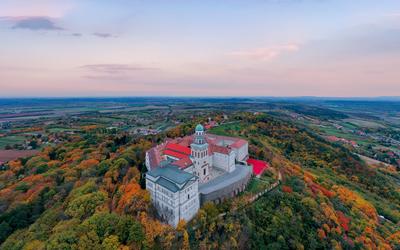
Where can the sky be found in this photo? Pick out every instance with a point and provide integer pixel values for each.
(339, 48)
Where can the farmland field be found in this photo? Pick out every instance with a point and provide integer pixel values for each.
(10, 140)
(364, 123)
(7, 155)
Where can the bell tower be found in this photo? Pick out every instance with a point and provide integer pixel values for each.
(199, 155)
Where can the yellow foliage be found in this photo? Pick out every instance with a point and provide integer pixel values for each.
(352, 199)
(181, 225)
(329, 213)
(34, 245)
(152, 228)
(185, 244)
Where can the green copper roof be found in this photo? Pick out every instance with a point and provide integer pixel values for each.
(167, 184)
(199, 127)
(171, 173)
(171, 177)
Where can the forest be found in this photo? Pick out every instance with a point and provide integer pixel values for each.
(88, 193)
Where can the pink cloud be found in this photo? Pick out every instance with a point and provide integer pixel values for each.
(266, 53)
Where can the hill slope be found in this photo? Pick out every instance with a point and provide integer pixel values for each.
(87, 194)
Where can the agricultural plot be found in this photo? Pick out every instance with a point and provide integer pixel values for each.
(11, 140)
(364, 123)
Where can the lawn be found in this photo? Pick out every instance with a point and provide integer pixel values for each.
(229, 129)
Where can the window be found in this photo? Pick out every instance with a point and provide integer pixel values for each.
(205, 171)
(188, 196)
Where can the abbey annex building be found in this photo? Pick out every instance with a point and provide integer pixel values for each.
(184, 173)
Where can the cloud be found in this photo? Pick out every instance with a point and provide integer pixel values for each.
(76, 34)
(265, 53)
(34, 23)
(103, 35)
(113, 69)
(393, 15)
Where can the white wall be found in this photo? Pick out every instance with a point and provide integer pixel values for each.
(189, 201)
(242, 152)
(147, 162)
(181, 206)
(223, 161)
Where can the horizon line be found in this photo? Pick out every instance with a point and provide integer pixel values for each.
(189, 96)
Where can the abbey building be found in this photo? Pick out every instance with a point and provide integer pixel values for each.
(186, 172)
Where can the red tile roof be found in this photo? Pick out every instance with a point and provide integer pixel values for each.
(258, 166)
(220, 149)
(332, 138)
(174, 154)
(183, 163)
(239, 143)
(178, 148)
(154, 157)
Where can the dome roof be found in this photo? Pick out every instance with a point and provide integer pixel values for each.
(199, 128)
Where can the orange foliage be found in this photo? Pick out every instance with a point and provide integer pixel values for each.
(33, 192)
(7, 175)
(74, 155)
(287, 189)
(85, 164)
(321, 234)
(15, 166)
(309, 175)
(133, 197)
(53, 163)
(5, 192)
(293, 169)
(394, 237)
(133, 173)
(326, 228)
(354, 200)
(25, 130)
(96, 155)
(89, 127)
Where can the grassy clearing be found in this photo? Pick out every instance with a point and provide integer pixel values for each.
(256, 185)
(226, 129)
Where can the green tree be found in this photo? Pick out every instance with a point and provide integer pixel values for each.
(85, 205)
(110, 243)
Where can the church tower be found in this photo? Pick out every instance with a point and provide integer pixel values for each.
(199, 155)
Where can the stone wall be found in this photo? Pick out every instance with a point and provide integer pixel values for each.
(226, 192)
